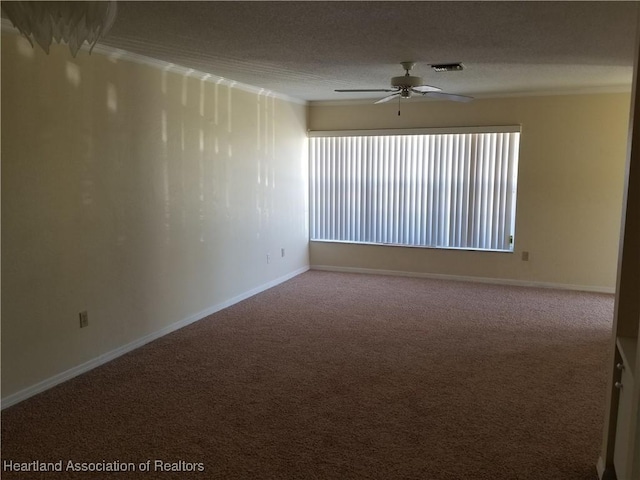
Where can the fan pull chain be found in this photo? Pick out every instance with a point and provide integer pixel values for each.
(399, 106)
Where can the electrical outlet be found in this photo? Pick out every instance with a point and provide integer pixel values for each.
(84, 319)
(525, 256)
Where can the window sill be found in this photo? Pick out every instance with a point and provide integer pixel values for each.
(468, 249)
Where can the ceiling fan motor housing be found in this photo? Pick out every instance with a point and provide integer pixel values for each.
(406, 81)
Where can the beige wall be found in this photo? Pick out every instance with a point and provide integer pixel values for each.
(571, 172)
(139, 194)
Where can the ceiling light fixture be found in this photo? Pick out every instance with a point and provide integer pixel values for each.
(70, 22)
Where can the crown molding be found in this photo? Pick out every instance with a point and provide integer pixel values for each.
(119, 54)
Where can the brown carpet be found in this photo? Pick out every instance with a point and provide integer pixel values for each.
(344, 376)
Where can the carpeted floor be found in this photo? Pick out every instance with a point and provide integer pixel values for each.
(343, 376)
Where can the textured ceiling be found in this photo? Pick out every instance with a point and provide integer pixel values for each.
(307, 49)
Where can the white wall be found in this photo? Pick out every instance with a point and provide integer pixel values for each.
(572, 155)
(139, 194)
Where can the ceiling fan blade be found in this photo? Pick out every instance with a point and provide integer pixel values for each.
(367, 90)
(425, 88)
(387, 98)
(446, 96)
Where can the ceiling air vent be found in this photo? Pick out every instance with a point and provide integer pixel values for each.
(447, 67)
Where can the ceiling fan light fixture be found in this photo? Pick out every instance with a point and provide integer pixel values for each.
(406, 85)
(407, 81)
(447, 67)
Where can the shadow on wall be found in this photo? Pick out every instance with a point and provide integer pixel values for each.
(153, 170)
(138, 192)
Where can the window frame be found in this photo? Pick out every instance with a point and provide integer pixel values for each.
(501, 129)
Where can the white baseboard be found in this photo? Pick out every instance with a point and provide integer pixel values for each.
(113, 354)
(497, 281)
(600, 468)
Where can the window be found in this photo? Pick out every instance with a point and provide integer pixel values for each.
(451, 189)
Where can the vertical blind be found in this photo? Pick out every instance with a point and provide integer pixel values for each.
(448, 190)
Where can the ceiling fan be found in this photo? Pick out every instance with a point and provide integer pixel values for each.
(407, 85)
